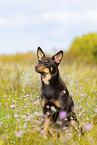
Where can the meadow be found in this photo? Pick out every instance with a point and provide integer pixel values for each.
(21, 118)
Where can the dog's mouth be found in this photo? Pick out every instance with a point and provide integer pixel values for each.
(41, 69)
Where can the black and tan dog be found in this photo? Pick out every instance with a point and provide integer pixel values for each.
(55, 96)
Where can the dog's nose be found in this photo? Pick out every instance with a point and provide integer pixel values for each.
(36, 67)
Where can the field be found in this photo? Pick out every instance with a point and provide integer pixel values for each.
(20, 103)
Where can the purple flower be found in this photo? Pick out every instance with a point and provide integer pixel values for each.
(1, 123)
(42, 131)
(88, 127)
(18, 134)
(16, 115)
(62, 114)
(12, 106)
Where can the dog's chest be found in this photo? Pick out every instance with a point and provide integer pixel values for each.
(47, 92)
(46, 78)
(51, 104)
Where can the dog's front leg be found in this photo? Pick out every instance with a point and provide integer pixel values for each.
(46, 117)
(75, 124)
(46, 124)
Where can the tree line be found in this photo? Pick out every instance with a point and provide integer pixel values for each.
(83, 49)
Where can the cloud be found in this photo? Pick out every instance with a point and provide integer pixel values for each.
(3, 22)
(64, 17)
(26, 24)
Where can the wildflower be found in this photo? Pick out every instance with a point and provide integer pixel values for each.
(38, 96)
(47, 113)
(65, 128)
(88, 127)
(36, 103)
(18, 134)
(81, 98)
(80, 114)
(95, 110)
(27, 119)
(53, 108)
(8, 116)
(42, 131)
(31, 116)
(38, 100)
(71, 140)
(36, 113)
(64, 91)
(1, 123)
(23, 131)
(81, 95)
(13, 142)
(12, 106)
(62, 114)
(23, 116)
(24, 126)
(13, 101)
(47, 106)
(40, 114)
(15, 115)
(37, 129)
(4, 136)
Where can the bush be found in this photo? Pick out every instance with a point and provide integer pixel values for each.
(84, 48)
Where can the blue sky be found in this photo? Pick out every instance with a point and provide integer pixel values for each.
(50, 24)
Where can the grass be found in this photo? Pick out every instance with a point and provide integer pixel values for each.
(20, 104)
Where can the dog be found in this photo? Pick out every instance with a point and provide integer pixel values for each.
(56, 101)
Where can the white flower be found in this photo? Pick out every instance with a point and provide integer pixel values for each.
(16, 115)
(53, 108)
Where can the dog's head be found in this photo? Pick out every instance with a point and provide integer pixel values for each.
(46, 64)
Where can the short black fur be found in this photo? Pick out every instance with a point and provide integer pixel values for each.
(54, 91)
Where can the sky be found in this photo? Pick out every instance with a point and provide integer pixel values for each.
(50, 24)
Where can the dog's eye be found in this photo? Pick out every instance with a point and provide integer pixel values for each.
(46, 62)
(39, 61)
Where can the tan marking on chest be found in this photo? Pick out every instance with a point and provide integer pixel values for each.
(46, 78)
(44, 101)
(56, 102)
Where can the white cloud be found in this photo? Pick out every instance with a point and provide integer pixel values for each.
(3, 22)
(60, 17)
(64, 17)
(26, 24)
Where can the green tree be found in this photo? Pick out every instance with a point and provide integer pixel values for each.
(85, 47)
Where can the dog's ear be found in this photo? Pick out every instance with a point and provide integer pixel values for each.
(40, 53)
(58, 57)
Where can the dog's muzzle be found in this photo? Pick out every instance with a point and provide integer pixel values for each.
(39, 69)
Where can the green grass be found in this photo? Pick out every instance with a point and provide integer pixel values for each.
(20, 104)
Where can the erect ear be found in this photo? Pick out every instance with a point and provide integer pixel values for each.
(40, 53)
(58, 57)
